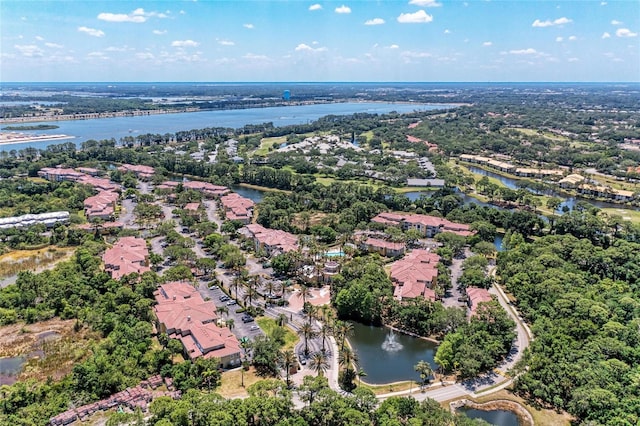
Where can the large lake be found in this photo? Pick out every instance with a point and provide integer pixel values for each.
(107, 128)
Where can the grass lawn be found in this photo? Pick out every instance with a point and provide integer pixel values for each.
(267, 143)
(268, 325)
(394, 387)
(231, 382)
(626, 214)
(544, 134)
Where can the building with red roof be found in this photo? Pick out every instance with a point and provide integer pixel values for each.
(415, 275)
(272, 241)
(128, 255)
(383, 247)
(101, 206)
(142, 172)
(237, 207)
(427, 225)
(184, 315)
(475, 296)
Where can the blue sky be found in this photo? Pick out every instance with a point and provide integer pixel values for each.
(410, 40)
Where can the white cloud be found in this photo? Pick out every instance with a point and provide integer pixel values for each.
(487, 43)
(184, 43)
(315, 7)
(425, 3)
(116, 49)
(560, 21)
(306, 48)
(528, 51)
(182, 12)
(394, 46)
(54, 45)
(159, 32)
(419, 17)
(573, 59)
(39, 38)
(559, 39)
(249, 26)
(29, 50)
(138, 16)
(573, 38)
(375, 21)
(606, 35)
(625, 32)
(254, 57)
(97, 55)
(91, 31)
(343, 9)
(226, 43)
(447, 31)
(614, 22)
(145, 56)
(603, 3)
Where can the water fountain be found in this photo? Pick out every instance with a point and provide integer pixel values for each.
(390, 343)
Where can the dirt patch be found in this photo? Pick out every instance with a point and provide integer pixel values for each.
(21, 260)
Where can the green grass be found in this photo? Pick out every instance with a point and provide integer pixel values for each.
(267, 143)
(626, 214)
(268, 325)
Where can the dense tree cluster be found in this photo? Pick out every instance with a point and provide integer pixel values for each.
(583, 302)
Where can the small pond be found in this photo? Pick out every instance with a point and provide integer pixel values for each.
(9, 368)
(387, 356)
(494, 417)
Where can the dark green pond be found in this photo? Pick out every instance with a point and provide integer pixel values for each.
(389, 357)
(494, 417)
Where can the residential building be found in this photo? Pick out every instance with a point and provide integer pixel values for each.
(48, 219)
(415, 275)
(605, 192)
(237, 207)
(272, 241)
(538, 173)
(475, 296)
(142, 172)
(182, 314)
(128, 255)
(571, 181)
(427, 225)
(436, 183)
(383, 247)
(101, 206)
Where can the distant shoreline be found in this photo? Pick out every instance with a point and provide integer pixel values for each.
(137, 113)
(16, 138)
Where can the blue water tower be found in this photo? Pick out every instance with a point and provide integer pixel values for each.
(286, 95)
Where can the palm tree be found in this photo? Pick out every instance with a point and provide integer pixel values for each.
(307, 332)
(287, 361)
(360, 375)
(281, 320)
(319, 363)
(235, 284)
(249, 295)
(325, 332)
(311, 312)
(424, 369)
(223, 310)
(231, 323)
(305, 292)
(347, 358)
(270, 288)
(342, 330)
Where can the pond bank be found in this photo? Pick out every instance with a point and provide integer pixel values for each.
(524, 417)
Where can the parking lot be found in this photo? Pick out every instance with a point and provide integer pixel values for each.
(240, 329)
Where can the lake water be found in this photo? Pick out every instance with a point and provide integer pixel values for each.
(254, 195)
(119, 127)
(386, 366)
(494, 417)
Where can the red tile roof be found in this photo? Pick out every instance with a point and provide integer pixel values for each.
(273, 238)
(384, 244)
(413, 275)
(128, 255)
(477, 295)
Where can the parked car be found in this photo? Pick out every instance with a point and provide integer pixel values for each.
(214, 287)
(224, 298)
(254, 327)
(247, 318)
(231, 302)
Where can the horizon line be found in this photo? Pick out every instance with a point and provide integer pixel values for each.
(319, 82)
